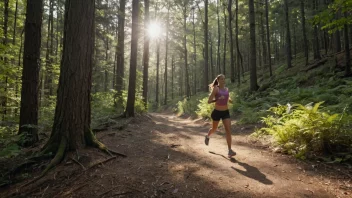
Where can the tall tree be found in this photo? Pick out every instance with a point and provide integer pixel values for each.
(315, 34)
(268, 35)
(30, 72)
(232, 61)
(347, 49)
(4, 42)
(219, 38)
(206, 54)
(146, 54)
(288, 37)
(185, 52)
(304, 31)
(194, 54)
(225, 39)
(157, 71)
(166, 50)
(120, 59)
(71, 128)
(337, 36)
(239, 55)
(253, 67)
(133, 61)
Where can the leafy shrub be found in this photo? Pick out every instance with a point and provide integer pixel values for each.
(299, 129)
(204, 109)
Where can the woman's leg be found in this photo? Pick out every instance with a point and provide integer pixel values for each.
(213, 129)
(227, 125)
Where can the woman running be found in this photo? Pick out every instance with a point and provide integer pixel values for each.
(220, 95)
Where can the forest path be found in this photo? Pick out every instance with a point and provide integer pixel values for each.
(167, 157)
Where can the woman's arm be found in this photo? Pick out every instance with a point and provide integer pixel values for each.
(212, 96)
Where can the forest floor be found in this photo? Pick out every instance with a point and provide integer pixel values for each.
(167, 157)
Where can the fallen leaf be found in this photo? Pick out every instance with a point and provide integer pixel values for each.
(175, 191)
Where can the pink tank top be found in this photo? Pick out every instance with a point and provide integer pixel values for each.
(222, 97)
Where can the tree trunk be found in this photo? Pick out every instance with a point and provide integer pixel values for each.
(146, 54)
(288, 37)
(206, 74)
(253, 69)
(15, 25)
(133, 62)
(212, 73)
(166, 52)
(49, 67)
(219, 38)
(120, 68)
(239, 55)
(225, 42)
(194, 55)
(187, 86)
(304, 31)
(347, 50)
(268, 35)
(73, 111)
(263, 38)
(30, 72)
(157, 72)
(232, 63)
(172, 76)
(337, 36)
(316, 36)
(5, 27)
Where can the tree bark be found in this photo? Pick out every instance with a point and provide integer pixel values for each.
(253, 72)
(146, 54)
(187, 86)
(166, 51)
(347, 50)
(232, 62)
(288, 37)
(219, 38)
(30, 72)
(73, 110)
(268, 35)
(239, 55)
(206, 74)
(225, 41)
(194, 55)
(133, 62)
(120, 68)
(157, 72)
(316, 36)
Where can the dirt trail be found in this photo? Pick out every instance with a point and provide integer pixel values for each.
(167, 158)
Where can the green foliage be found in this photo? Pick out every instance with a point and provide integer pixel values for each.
(11, 150)
(327, 17)
(187, 107)
(300, 129)
(204, 109)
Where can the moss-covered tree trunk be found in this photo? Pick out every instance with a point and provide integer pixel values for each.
(72, 114)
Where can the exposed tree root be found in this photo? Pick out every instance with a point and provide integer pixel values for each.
(77, 162)
(93, 141)
(101, 162)
(57, 159)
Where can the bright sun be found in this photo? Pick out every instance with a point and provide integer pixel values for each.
(154, 30)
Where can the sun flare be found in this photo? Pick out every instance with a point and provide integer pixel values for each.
(154, 30)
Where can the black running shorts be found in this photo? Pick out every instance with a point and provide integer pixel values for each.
(216, 115)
